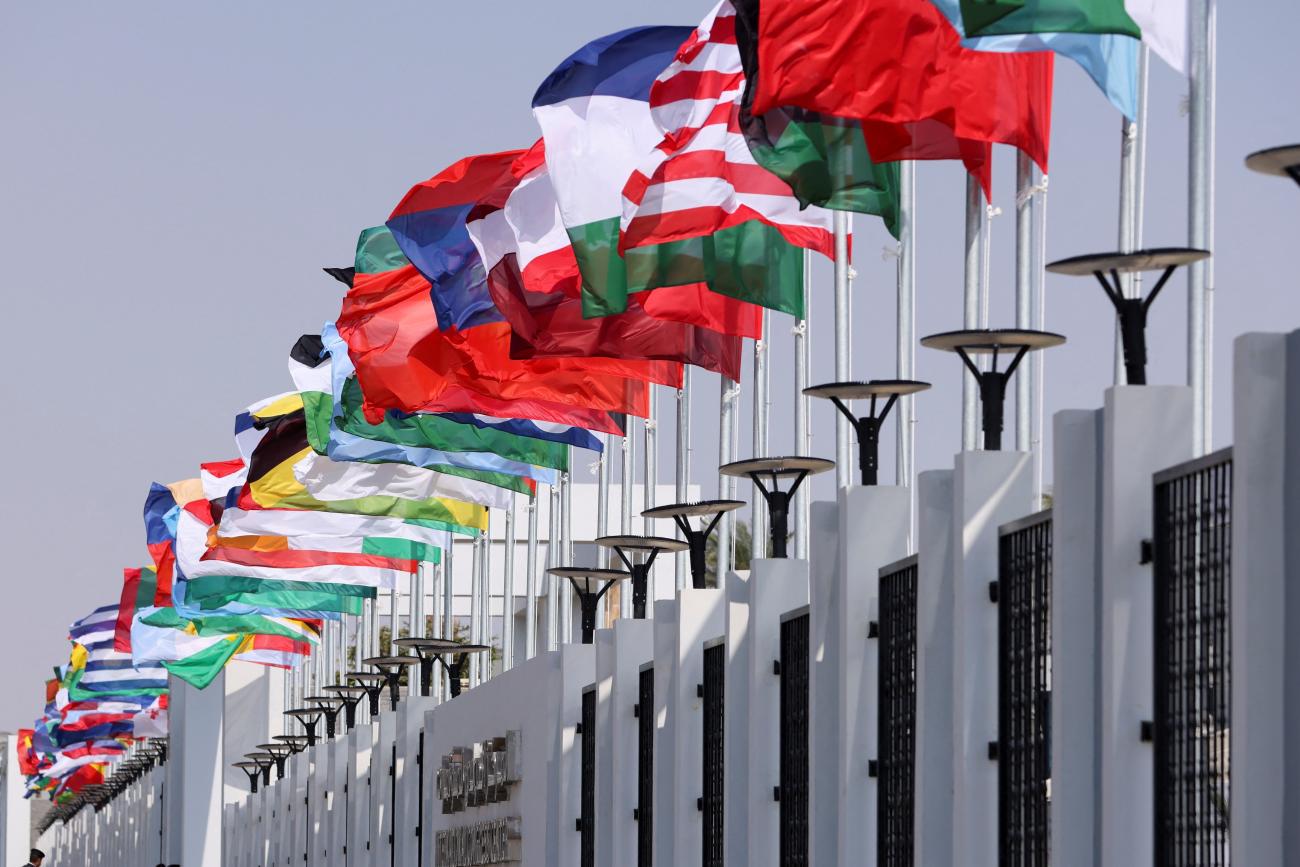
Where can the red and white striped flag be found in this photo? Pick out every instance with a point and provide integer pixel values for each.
(702, 178)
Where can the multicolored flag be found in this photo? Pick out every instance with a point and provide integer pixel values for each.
(405, 362)
(701, 178)
(934, 100)
(1161, 24)
(594, 111)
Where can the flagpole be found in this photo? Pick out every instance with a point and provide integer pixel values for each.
(1200, 285)
(802, 523)
(417, 616)
(905, 322)
(975, 216)
(530, 582)
(602, 517)
(1038, 273)
(485, 603)
(553, 583)
(393, 617)
(683, 468)
(475, 605)
(628, 478)
(843, 348)
(566, 539)
(757, 511)
(1024, 289)
(729, 392)
(508, 594)
(1132, 197)
(651, 470)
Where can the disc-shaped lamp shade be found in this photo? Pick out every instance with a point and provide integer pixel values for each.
(1283, 161)
(867, 427)
(773, 470)
(709, 512)
(638, 554)
(590, 585)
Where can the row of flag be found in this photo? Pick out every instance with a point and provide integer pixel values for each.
(518, 305)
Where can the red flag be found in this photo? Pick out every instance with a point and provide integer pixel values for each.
(405, 362)
(898, 66)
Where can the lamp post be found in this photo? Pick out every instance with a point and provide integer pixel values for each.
(590, 585)
(373, 683)
(778, 501)
(265, 761)
(1132, 311)
(309, 717)
(867, 427)
(330, 705)
(992, 382)
(252, 770)
(638, 554)
(709, 512)
(391, 668)
(351, 696)
(279, 753)
(436, 650)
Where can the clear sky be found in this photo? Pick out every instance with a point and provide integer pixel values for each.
(175, 175)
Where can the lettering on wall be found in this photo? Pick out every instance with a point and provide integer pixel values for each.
(495, 841)
(480, 774)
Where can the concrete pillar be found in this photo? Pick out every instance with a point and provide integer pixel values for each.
(865, 530)
(194, 779)
(989, 489)
(1145, 428)
(15, 830)
(934, 670)
(776, 587)
(406, 811)
(1265, 745)
(381, 786)
(361, 742)
(735, 720)
(1076, 584)
(620, 653)
(577, 671)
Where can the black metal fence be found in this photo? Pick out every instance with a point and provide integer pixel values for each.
(587, 824)
(1193, 670)
(794, 741)
(715, 671)
(896, 728)
(1024, 690)
(645, 761)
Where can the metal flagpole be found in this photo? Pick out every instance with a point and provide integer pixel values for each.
(802, 522)
(628, 478)
(1200, 285)
(394, 599)
(530, 582)
(508, 595)
(757, 512)
(602, 519)
(683, 463)
(566, 540)
(475, 605)
(1132, 195)
(1037, 270)
(1024, 289)
(651, 471)
(417, 618)
(975, 217)
(905, 364)
(485, 603)
(449, 590)
(553, 584)
(729, 393)
(843, 348)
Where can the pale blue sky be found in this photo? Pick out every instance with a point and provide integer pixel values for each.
(174, 175)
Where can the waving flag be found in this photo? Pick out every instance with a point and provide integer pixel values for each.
(533, 279)
(151, 722)
(934, 100)
(332, 400)
(405, 362)
(594, 111)
(701, 178)
(139, 587)
(1161, 24)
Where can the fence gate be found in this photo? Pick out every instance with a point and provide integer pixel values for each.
(715, 671)
(896, 705)
(793, 791)
(1024, 690)
(587, 822)
(645, 761)
(1193, 672)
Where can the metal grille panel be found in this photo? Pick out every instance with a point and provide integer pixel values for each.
(896, 730)
(715, 672)
(1024, 690)
(794, 742)
(1193, 532)
(645, 769)
(588, 849)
